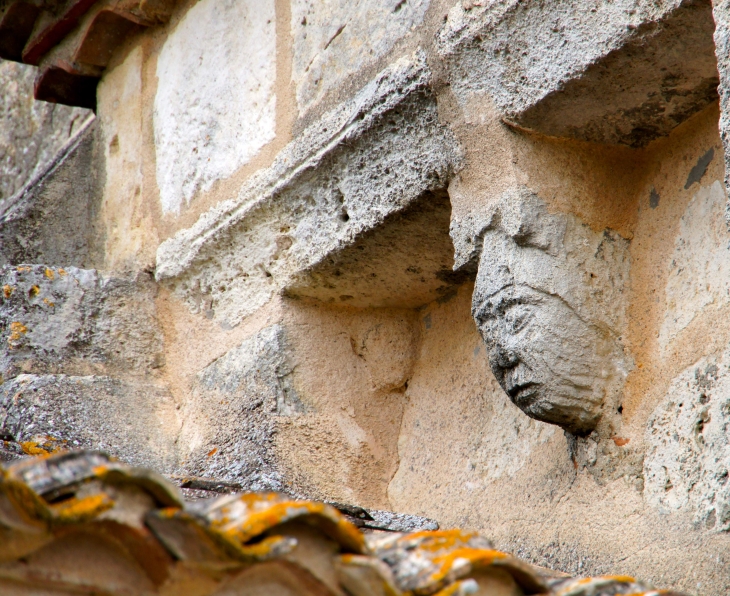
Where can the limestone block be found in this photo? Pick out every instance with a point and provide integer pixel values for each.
(688, 445)
(333, 40)
(135, 421)
(369, 158)
(550, 304)
(125, 227)
(230, 417)
(52, 220)
(611, 72)
(32, 133)
(77, 321)
(699, 271)
(215, 105)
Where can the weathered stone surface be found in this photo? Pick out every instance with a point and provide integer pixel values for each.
(135, 421)
(550, 304)
(699, 273)
(333, 40)
(124, 221)
(404, 262)
(688, 445)
(621, 72)
(230, 418)
(215, 103)
(721, 14)
(77, 321)
(53, 219)
(371, 157)
(32, 133)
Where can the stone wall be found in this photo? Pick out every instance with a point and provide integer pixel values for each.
(465, 260)
(31, 133)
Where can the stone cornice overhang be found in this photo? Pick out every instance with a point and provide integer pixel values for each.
(72, 41)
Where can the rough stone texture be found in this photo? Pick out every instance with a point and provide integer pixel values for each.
(334, 40)
(550, 303)
(215, 104)
(369, 158)
(230, 418)
(699, 273)
(53, 219)
(721, 14)
(621, 72)
(135, 421)
(32, 133)
(688, 456)
(404, 262)
(77, 321)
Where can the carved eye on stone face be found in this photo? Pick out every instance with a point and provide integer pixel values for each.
(517, 316)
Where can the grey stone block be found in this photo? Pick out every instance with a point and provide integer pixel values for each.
(135, 421)
(32, 133)
(611, 72)
(77, 321)
(230, 419)
(52, 220)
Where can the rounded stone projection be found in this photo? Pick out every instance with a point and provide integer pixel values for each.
(549, 304)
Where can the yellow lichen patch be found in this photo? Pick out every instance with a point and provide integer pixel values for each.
(80, 510)
(62, 272)
(8, 291)
(464, 560)
(34, 291)
(49, 303)
(49, 273)
(436, 540)
(32, 448)
(43, 445)
(17, 331)
(22, 269)
(251, 515)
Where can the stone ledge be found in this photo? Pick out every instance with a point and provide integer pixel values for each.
(621, 73)
(369, 158)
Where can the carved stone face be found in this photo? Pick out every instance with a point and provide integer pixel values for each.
(553, 365)
(549, 303)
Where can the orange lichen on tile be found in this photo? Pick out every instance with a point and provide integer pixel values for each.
(8, 291)
(34, 291)
(77, 510)
(62, 494)
(49, 273)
